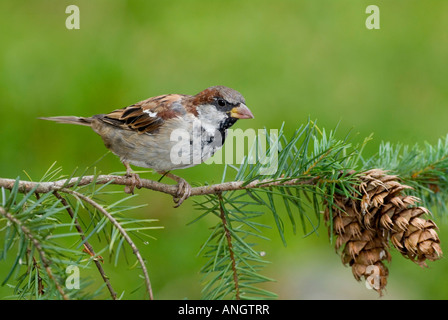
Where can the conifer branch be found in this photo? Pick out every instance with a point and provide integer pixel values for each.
(28, 234)
(87, 245)
(44, 187)
(229, 245)
(121, 230)
(40, 285)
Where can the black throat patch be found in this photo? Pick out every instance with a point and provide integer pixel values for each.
(224, 125)
(227, 123)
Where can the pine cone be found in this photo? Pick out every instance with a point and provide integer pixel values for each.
(363, 227)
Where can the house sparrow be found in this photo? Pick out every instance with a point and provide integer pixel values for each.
(168, 132)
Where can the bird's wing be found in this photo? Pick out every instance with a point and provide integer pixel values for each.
(146, 116)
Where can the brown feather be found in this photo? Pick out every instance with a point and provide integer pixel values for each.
(137, 116)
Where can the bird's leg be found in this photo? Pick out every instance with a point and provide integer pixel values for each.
(183, 188)
(136, 182)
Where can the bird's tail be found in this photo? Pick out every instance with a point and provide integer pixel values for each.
(71, 120)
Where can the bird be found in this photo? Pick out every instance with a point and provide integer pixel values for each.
(167, 132)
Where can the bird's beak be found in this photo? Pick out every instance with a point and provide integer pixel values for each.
(241, 112)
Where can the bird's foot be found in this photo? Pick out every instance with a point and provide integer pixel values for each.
(183, 192)
(136, 182)
(183, 188)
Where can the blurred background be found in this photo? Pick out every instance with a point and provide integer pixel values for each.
(290, 59)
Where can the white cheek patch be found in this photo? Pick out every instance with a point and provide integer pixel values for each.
(150, 113)
(209, 116)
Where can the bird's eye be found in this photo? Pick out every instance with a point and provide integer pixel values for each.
(221, 102)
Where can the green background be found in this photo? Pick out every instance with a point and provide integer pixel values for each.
(290, 59)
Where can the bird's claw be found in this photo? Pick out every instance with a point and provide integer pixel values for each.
(183, 192)
(136, 182)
